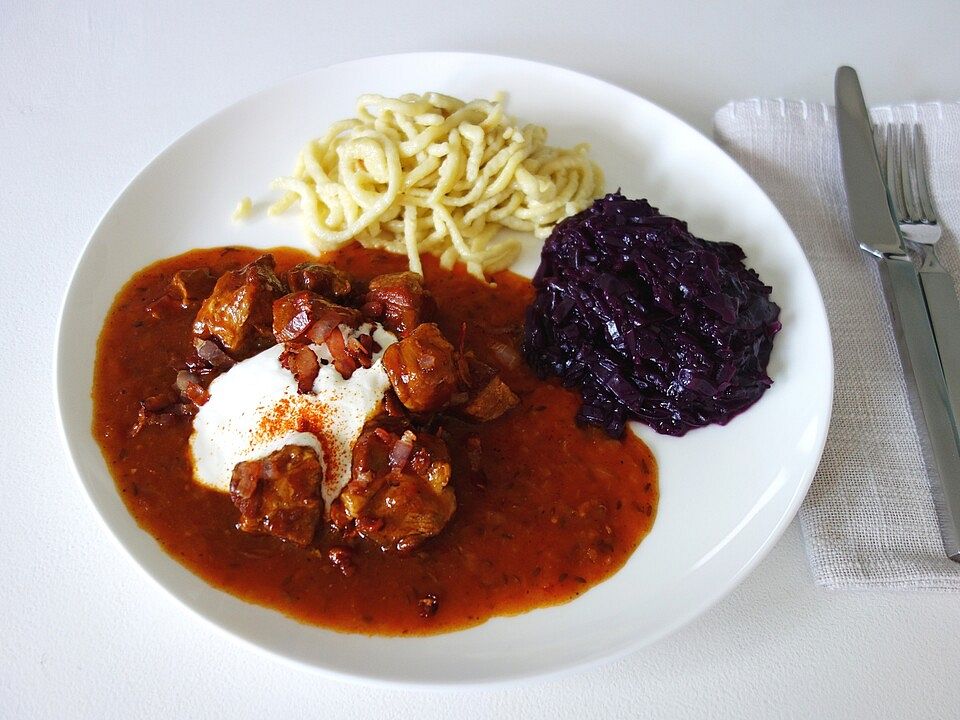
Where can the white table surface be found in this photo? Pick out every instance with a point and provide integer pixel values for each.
(89, 92)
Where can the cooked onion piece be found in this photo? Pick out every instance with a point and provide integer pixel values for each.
(431, 173)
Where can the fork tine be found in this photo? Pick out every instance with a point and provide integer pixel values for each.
(926, 204)
(907, 173)
(893, 172)
(880, 146)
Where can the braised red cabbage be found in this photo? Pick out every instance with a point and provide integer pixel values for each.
(647, 321)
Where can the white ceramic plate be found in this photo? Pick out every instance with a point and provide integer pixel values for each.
(726, 493)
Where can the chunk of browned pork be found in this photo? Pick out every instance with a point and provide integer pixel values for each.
(399, 301)
(162, 409)
(422, 369)
(399, 492)
(186, 288)
(485, 396)
(303, 363)
(280, 494)
(325, 280)
(239, 311)
(190, 286)
(491, 401)
(305, 316)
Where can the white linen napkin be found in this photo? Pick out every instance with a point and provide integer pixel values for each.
(869, 519)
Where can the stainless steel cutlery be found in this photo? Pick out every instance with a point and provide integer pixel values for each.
(923, 304)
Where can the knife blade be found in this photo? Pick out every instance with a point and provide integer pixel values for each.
(877, 233)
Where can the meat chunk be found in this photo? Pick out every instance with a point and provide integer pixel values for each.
(422, 369)
(186, 288)
(303, 363)
(428, 605)
(324, 280)
(342, 361)
(350, 351)
(239, 312)
(161, 409)
(190, 286)
(399, 301)
(485, 396)
(304, 315)
(399, 490)
(342, 559)
(190, 387)
(473, 373)
(492, 401)
(280, 494)
(210, 355)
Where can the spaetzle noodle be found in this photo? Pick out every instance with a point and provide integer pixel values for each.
(242, 211)
(431, 173)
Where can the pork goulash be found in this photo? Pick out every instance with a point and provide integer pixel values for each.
(357, 446)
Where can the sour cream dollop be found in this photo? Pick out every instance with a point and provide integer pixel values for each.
(254, 409)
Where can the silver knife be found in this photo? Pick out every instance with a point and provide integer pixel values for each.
(878, 234)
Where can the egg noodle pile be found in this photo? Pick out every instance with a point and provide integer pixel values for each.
(430, 173)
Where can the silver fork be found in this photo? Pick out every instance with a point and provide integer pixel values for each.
(911, 205)
(909, 194)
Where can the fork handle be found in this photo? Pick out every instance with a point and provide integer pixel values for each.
(943, 306)
(926, 391)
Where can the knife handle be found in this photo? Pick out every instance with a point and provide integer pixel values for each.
(930, 402)
(943, 307)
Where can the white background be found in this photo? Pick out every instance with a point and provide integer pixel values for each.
(89, 92)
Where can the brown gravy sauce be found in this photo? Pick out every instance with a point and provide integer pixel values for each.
(559, 508)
